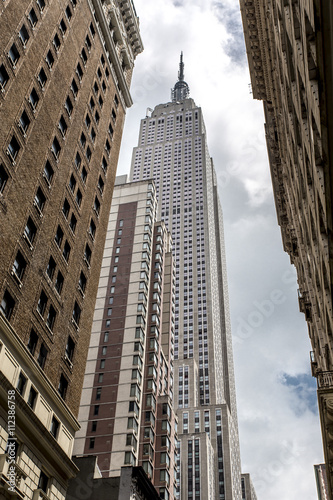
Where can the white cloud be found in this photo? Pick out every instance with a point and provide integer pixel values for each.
(279, 432)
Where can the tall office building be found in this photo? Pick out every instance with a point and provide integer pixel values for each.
(65, 71)
(126, 412)
(173, 151)
(290, 53)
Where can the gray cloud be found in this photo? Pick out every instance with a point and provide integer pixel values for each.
(229, 16)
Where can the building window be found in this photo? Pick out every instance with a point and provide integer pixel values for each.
(82, 282)
(59, 283)
(30, 231)
(62, 126)
(76, 313)
(55, 424)
(3, 178)
(33, 18)
(32, 343)
(7, 305)
(68, 13)
(56, 42)
(42, 78)
(19, 266)
(84, 56)
(66, 208)
(48, 173)
(66, 251)
(87, 254)
(92, 229)
(55, 148)
(88, 43)
(100, 185)
(51, 268)
(13, 55)
(24, 35)
(43, 352)
(49, 59)
(84, 175)
(59, 236)
(32, 397)
(40, 200)
(43, 481)
(97, 206)
(88, 154)
(50, 320)
(24, 122)
(69, 106)
(79, 71)
(21, 383)
(42, 302)
(72, 223)
(70, 347)
(62, 387)
(33, 99)
(98, 393)
(13, 148)
(63, 27)
(78, 197)
(4, 77)
(41, 5)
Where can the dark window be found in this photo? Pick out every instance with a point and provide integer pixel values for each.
(43, 352)
(69, 106)
(102, 60)
(100, 185)
(59, 236)
(56, 42)
(13, 148)
(21, 383)
(49, 59)
(116, 101)
(19, 265)
(62, 388)
(32, 397)
(13, 55)
(92, 229)
(41, 5)
(50, 320)
(107, 147)
(78, 198)
(88, 153)
(103, 86)
(104, 164)
(4, 77)
(54, 427)
(30, 230)
(87, 121)
(87, 254)
(97, 206)
(43, 481)
(74, 88)
(33, 99)
(88, 43)
(70, 346)
(40, 200)
(3, 178)
(59, 283)
(97, 117)
(42, 78)
(55, 148)
(96, 88)
(82, 282)
(51, 268)
(68, 13)
(100, 101)
(92, 30)
(84, 175)
(77, 160)
(91, 443)
(93, 134)
(72, 223)
(24, 35)
(76, 313)
(41, 306)
(107, 74)
(32, 343)
(33, 17)
(79, 71)
(84, 56)
(7, 305)
(62, 126)
(24, 122)
(63, 27)
(48, 172)
(91, 104)
(66, 251)
(114, 116)
(96, 409)
(99, 73)
(94, 426)
(66, 208)
(110, 130)
(98, 393)
(72, 183)
(83, 140)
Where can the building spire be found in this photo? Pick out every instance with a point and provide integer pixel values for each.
(181, 90)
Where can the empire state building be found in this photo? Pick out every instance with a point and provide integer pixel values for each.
(173, 150)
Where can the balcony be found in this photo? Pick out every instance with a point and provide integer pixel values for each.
(325, 404)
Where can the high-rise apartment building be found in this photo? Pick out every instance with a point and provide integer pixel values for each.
(65, 71)
(173, 151)
(290, 53)
(126, 410)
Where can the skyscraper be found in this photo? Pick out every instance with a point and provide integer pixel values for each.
(173, 150)
(65, 73)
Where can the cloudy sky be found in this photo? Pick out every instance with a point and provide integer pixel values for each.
(277, 406)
